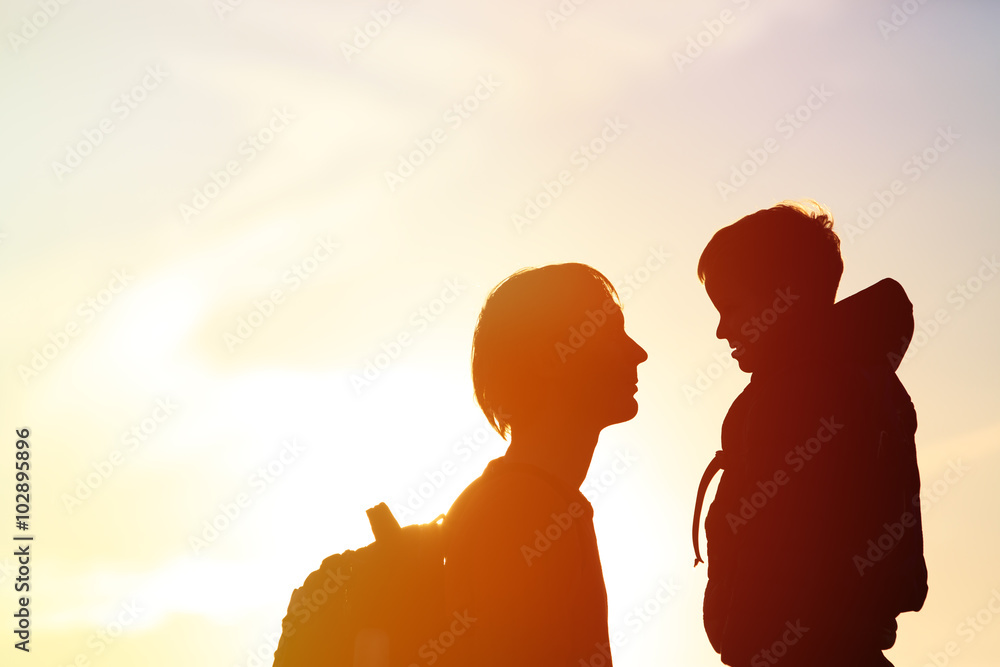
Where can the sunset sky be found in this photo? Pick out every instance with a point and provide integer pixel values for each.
(244, 244)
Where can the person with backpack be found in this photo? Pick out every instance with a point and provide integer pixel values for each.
(512, 575)
(814, 537)
(552, 367)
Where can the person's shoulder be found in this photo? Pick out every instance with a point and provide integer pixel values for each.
(823, 381)
(508, 503)
(811, 402)
(507, 489)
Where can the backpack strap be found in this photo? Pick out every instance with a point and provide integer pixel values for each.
(716, 464)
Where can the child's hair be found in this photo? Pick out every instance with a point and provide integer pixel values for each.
(791, 244)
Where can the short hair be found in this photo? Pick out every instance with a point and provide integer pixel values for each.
(791, 244)
(522, 320)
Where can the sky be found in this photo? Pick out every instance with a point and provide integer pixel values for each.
(243, 246)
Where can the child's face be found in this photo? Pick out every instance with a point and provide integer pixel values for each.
(747, 316)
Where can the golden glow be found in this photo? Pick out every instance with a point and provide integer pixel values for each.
(237, 334)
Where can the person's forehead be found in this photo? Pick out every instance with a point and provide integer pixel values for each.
(606, 311)
(728, 289)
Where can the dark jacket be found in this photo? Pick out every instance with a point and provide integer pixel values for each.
(814, 536)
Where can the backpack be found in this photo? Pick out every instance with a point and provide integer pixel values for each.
(378, 606)
(383, 605)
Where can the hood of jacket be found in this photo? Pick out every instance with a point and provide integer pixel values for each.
(872, 327)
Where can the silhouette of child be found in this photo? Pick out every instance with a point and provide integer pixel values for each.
(814, 536)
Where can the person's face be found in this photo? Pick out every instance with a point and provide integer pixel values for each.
(600, 367)
(747, 317)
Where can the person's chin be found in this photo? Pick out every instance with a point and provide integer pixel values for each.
(745, 358)
(628, 410)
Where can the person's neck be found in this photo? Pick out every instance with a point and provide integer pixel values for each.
(561, 448)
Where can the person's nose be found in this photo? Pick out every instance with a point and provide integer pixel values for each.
(722, 331)
(639, 354)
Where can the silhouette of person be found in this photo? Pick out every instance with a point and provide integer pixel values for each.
(551, 367)
(814, 536)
